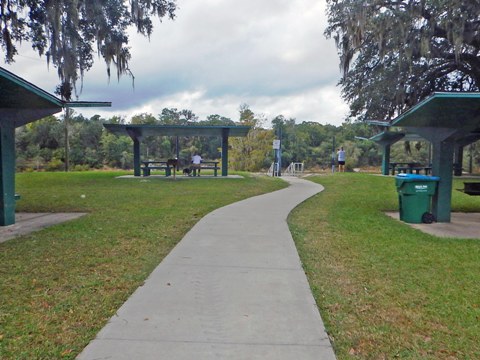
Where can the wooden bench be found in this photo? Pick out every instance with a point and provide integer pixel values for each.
(471, 188)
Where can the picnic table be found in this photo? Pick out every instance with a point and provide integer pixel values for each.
(150, 165)
(409, 167)
(471, 188)
(210, 165)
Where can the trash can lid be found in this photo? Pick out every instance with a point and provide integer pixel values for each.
(415, 177)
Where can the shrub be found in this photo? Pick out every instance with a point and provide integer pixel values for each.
(79, 167)
(55, 165)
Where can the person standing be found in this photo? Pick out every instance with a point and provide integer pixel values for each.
(341, 159)
(196, 160)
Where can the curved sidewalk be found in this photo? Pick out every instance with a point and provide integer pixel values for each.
(233, 288)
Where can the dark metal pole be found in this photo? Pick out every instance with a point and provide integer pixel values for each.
(67, 140)
(225, 134)
(136, 157)
(177, 152)
(333, 155)
(280, 152)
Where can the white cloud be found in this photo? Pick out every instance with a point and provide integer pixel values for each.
(218, 54)
(318, 105)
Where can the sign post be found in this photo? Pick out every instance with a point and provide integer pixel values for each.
(277, 163)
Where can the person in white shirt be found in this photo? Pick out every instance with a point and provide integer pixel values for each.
(341, 159)
(196, 160)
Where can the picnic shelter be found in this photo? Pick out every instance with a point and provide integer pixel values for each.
(386, 139)
(449, 121)
(21, 103)
(139, 131)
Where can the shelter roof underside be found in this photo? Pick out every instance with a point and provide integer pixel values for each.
(139, 131)
(22, 102)
(391, 137)
(459, 111)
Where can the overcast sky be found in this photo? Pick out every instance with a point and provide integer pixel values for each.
(215, 56)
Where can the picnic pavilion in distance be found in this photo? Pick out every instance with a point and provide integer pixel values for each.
(387, 138)
(449, 121)
(138, 132)
(21, 103)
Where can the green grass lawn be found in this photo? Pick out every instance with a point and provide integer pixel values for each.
(385, 290)
(59, 286)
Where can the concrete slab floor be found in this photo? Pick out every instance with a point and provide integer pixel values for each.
(462, 226)
(26, 223)
(178, 177)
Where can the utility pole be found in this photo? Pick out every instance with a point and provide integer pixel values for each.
(279, 151)
(68, 113)
(333, 155)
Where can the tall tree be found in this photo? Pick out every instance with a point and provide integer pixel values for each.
(169, 117)
(149, 144)
(393, 53)
(66, 32)
(249, 153)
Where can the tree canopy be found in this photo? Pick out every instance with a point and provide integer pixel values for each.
(68, 32)
(394, 53)
(41, 145)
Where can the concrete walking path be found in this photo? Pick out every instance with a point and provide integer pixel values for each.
(233, 288)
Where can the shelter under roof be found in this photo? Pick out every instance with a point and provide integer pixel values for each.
(21, 103)
(448, 121)
(138, 132)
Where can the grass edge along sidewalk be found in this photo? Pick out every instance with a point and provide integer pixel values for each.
(59, 286)
(386, 290)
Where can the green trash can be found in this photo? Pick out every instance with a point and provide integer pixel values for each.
(415, 197)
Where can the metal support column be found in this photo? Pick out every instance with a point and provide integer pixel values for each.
(225, 133)
(442, 140)
(177, 152)
(442, 166)
(136, 157)
(386, 160)
(7, 173)
(458, 160)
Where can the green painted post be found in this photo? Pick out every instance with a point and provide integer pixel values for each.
(457, 170)
(442, 166)
(7, 173)
(136, 157)
(386, 160)
(225, 133)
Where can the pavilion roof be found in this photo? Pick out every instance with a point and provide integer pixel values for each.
(22, 102)
(141, 130)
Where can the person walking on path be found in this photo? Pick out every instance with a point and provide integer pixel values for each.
(341, 159)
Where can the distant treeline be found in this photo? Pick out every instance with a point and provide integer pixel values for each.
(41, 145)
